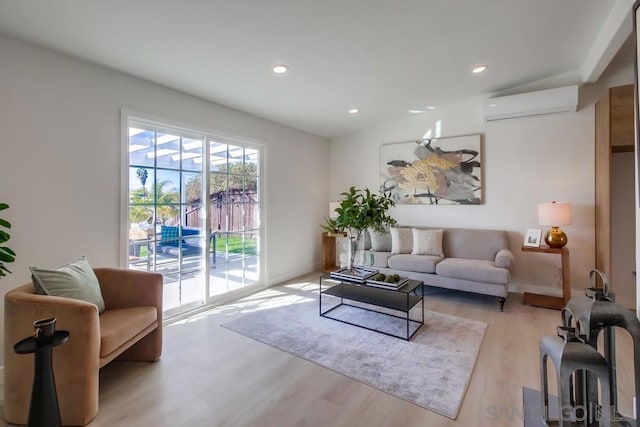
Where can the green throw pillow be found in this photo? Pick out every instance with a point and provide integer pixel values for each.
(75, 280)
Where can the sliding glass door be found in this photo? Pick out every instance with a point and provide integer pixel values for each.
(205, 246)
(235, 219)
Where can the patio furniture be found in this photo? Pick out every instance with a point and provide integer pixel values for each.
(177, 242)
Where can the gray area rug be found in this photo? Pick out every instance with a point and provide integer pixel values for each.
(432, 370)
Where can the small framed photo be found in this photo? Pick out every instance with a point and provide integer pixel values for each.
(532, 238)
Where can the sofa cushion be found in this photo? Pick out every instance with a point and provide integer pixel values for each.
(472, 269)
(401, 240)
(120, 325)
(376, 259)
(474, 243)
(419, 263)
(427, 242)
(504, 258)
(380, 242)
(365, 241)
(74, 280)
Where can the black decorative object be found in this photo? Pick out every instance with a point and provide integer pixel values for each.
(571, 357)
(597, 312)
(43, 409)
(580, 364)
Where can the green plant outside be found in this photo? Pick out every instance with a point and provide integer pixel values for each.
(235, 245)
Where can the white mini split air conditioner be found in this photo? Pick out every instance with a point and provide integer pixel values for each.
(550, 101)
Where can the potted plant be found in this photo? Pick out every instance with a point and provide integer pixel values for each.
(6, 254)
(358, 211)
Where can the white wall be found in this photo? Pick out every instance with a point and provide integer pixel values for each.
(522, 165)
(525, 161)
(60, 151)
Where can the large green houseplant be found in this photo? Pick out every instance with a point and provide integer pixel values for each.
(358, 211)
(6, 254)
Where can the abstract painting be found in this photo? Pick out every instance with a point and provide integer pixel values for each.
(437, 171)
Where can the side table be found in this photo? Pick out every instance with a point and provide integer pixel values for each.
(329, 252)
(43, 409)
(548, 301)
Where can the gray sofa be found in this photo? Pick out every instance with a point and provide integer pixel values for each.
(471, 260)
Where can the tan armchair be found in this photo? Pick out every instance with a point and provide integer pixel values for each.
(130, 328)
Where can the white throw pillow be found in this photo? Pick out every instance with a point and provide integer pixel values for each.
(401, 240)
(427, 242)
(380, 242)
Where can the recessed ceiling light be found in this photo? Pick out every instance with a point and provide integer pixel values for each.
(431, 108)
(353, 111)
(479, 69)
(280, 69)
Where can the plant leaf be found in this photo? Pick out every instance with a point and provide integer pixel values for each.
(7, 250)
(4, 257)
(4, 223)
(3, 206)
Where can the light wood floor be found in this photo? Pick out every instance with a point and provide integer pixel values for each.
(210, 376)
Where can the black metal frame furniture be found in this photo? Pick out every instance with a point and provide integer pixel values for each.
(599, 314)
(571, 357)
(580, 365)
(401, 299)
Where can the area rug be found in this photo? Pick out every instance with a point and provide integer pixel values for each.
(432, 370)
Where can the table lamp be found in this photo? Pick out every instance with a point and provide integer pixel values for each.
(555, 214)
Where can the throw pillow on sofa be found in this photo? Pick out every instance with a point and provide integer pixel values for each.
(380, 242)
(74, 280)
(427, 242)
(401, 240)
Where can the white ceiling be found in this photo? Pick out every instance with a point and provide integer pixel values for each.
(381, 56)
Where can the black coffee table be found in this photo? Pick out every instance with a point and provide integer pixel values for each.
(402, 299)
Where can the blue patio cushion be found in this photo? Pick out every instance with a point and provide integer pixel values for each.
(172, 248)
(190, 232)
(169, 235)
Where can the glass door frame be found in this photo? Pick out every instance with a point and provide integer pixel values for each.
(130, 118)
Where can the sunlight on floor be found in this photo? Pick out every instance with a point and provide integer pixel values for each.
(284, 295)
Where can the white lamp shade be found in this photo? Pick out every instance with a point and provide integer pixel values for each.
(554, 214)
(332, 209)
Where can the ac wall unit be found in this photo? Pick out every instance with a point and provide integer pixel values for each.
(550, 101)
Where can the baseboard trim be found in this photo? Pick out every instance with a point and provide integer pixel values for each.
(541, 290)
(278, 279)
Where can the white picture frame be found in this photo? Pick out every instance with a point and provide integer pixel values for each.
(532, 237)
